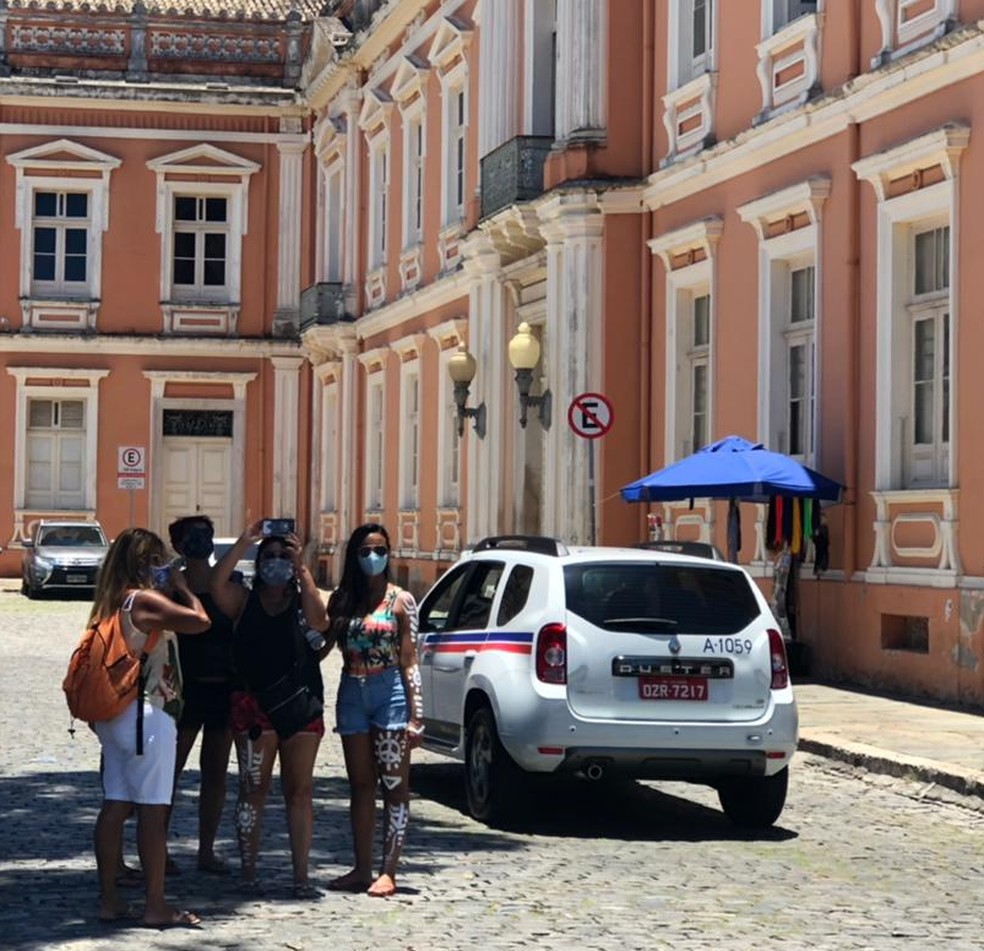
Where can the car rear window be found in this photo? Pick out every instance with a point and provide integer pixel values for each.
(691, 600)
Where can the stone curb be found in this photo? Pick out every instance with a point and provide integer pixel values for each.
(967, 782)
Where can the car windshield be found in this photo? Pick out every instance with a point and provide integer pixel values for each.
(655, 596)
(73, 536)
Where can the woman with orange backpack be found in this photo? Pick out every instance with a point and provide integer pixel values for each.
(137, 591)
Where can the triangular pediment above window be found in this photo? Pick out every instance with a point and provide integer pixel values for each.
(375, 112)
(63, 154)
(408, 84)
(203, 159)
(450, 42)
(329, 136)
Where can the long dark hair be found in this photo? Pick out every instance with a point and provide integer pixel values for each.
(353, 589)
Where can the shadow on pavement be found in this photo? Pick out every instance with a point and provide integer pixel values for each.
(626, 810)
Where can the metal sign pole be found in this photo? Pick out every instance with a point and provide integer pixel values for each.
(130, 493)
(591, 488)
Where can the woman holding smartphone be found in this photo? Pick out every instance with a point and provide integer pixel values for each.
(379, 707)
(277, 706)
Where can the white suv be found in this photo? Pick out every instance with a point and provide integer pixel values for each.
(606, 662)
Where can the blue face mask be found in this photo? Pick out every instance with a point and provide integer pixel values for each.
(373, 564)
(275, 571)
(160, 575)
(198, 543)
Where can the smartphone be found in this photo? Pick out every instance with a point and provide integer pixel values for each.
(278, 526)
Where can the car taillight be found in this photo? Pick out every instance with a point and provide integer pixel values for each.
(777, 655)
(551, 654)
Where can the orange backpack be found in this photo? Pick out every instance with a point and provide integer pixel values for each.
(104, 677)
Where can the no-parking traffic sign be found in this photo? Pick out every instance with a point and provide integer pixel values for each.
(131, 467)
(590, 415)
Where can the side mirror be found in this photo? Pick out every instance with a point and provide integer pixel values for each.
(28, 542)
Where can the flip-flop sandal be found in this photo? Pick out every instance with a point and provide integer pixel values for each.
(305, 891)
(389, 894)
(216, 867)
(181, 919)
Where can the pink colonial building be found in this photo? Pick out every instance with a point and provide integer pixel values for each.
(154, 193)
(303, 255)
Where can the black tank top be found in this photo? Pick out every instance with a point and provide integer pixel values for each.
(267, 646)
(207, 656)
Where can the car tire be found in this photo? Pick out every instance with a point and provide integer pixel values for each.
(493, 781)
(754, 802)
(32, 592)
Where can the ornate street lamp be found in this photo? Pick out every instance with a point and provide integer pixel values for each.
(524, 355)
(461, 369)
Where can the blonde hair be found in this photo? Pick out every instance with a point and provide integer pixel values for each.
(126, 566)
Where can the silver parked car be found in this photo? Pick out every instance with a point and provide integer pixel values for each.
(62, 555)
(245, 567)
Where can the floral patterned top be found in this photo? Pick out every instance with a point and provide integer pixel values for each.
(372, 642)
(162, 668)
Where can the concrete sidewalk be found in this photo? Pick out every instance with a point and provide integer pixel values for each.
(901, 738)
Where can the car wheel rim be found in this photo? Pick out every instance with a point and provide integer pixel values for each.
(481, 763)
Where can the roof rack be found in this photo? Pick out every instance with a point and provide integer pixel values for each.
(540, 544)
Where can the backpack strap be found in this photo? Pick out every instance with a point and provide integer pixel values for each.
(149, 645)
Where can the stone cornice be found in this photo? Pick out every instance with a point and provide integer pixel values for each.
(132, 345)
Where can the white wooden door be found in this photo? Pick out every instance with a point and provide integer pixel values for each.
(197, 481)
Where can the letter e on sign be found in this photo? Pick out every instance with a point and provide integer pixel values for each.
(590, 415)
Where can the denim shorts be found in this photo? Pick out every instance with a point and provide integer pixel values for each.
(378, 700)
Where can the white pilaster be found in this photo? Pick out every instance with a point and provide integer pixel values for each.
(582, 68)
(286, 407)
(573, 226)
(486, 341)
(352, 99)
(347, 460)
(289, 246)
(498, 72)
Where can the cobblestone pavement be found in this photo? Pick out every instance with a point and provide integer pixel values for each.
(857, 862)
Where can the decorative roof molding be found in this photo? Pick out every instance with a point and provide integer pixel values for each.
(942, 147)
(45, 156)
(450, 44)
(376, 110)
(409, 82)
(374, 360)
(203, 159)
(702, 234)
(449, 332)
(330, 134)
(807, 196)
(409, 347)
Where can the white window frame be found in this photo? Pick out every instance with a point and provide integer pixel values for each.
(900, 36)
(378, 202)
(374, 454)
(330, 457)
(46, 168)
(414, 152)
(199, 292)
(449, 55)
(683, 284)
(447, 336)
(329, 147)
(39, 383)
(791, 10)
(782, 248)
(410, 431)
(187, 165)
(61, 223)
(898, 216)
(683, 66)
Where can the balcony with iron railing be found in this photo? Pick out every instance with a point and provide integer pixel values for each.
(323, 303)
(513, 172)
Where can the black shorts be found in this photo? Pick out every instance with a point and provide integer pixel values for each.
(206, 705)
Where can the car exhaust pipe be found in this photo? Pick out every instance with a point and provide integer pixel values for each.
(594, 771)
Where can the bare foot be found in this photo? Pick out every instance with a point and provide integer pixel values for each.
(383, 887)
(118, 910)
(212, 864)
(353, 881)
(172, 918)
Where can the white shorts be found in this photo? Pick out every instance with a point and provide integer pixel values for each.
(147, 779)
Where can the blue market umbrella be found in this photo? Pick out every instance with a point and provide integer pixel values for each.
(732, 468)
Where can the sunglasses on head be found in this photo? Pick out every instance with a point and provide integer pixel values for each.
(366, 550)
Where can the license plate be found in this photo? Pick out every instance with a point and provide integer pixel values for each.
(77, 579)
(672, 688)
